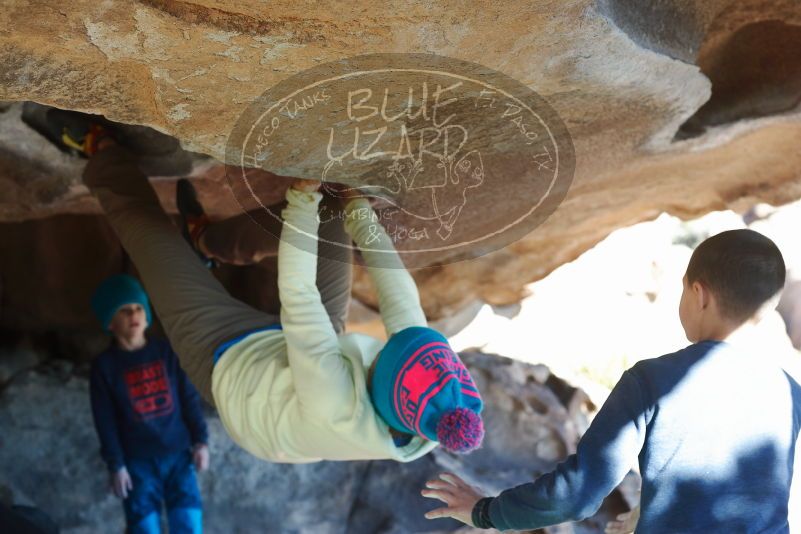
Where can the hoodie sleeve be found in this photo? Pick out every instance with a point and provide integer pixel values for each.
(577, 487)
(105, 419)
(398, 298)
(319, 370)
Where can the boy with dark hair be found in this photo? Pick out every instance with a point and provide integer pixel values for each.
(714, 425)
(147, 415)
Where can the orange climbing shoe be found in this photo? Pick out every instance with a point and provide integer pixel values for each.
(76, 133)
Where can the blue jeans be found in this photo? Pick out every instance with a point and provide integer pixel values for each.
(170, 479)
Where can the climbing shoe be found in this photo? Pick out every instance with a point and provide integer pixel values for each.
(76, 133)
(194, 220)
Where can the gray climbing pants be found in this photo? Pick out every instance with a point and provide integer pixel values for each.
(197, 312)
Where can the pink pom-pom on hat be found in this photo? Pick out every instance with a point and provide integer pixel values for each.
(460, 430)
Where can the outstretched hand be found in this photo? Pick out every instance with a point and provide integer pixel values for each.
(459, 497)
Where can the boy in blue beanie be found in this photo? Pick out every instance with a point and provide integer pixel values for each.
(294, 387)
(714, 425)
(147, 415)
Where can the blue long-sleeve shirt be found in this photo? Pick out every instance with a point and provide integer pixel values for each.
(714, 430)
(143, 404)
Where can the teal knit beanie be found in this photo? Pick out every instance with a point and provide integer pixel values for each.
(420, 386)
(116, 291)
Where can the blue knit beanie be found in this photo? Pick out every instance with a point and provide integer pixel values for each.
(116, 291)
(420, 386)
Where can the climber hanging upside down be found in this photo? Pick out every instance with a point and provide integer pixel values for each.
(293, 387)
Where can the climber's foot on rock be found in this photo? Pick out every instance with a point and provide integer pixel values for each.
(78, 133)
(194, 220)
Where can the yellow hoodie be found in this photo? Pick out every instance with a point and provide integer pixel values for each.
(300, 394)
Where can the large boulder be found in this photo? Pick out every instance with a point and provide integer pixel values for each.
(625, 78)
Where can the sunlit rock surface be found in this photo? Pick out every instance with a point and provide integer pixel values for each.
(684, 106)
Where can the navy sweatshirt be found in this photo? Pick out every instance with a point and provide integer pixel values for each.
(714, 430)
(143, 404)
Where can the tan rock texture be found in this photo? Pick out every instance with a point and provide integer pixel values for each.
(628, 79)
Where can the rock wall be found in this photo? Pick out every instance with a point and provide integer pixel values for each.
(623, 77)
(49, 458)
